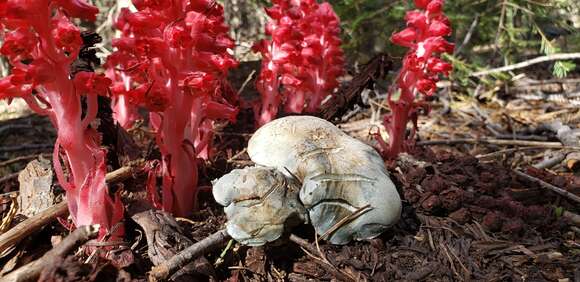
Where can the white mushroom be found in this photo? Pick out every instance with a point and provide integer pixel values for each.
(345, 188)
(344, 180)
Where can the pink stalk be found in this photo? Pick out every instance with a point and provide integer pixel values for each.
(422, 66)
(174, 55)
(41, 43)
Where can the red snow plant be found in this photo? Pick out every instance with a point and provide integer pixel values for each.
(302, 61)
(172, 59)
(422, 66)
(40, 42)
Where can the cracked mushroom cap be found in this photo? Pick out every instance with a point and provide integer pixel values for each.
(260, 204)
(345, 185)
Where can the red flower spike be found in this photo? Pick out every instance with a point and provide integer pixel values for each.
(302, 61)
(41, 32)
(172, 59)
(419, 75)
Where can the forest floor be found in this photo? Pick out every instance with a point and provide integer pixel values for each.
(473, 206)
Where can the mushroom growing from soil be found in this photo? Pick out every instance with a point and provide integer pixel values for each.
(344, 186)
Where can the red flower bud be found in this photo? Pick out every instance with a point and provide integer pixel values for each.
(91, 83)
(435, 6)
(422, 4)
(438, 28)
(405, 38)
(426, 86)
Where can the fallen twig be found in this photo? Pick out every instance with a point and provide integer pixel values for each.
(506, 151)
(549, 186)
(553, 145)
(31, 271)
(213, 242)
(547, 58)
(30, 225)
(24, 158)
(8, 149)
(210, 243)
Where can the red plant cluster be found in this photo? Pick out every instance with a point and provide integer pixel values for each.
(424, 36)
(172, 59)
(41, 42)
(302, 61)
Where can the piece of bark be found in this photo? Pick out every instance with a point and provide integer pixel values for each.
(165, 239)
(36, 190)
(349, 94)
(31, 271)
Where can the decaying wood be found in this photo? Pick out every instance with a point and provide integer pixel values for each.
(34, 223)
(165, 239)
(31, 271)
(347, 95)
(210, 243)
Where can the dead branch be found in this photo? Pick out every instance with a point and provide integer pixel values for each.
(549, 186)
(31, 271)
(210, 243)
(502, 142)
(547, 58)
(32, 224)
